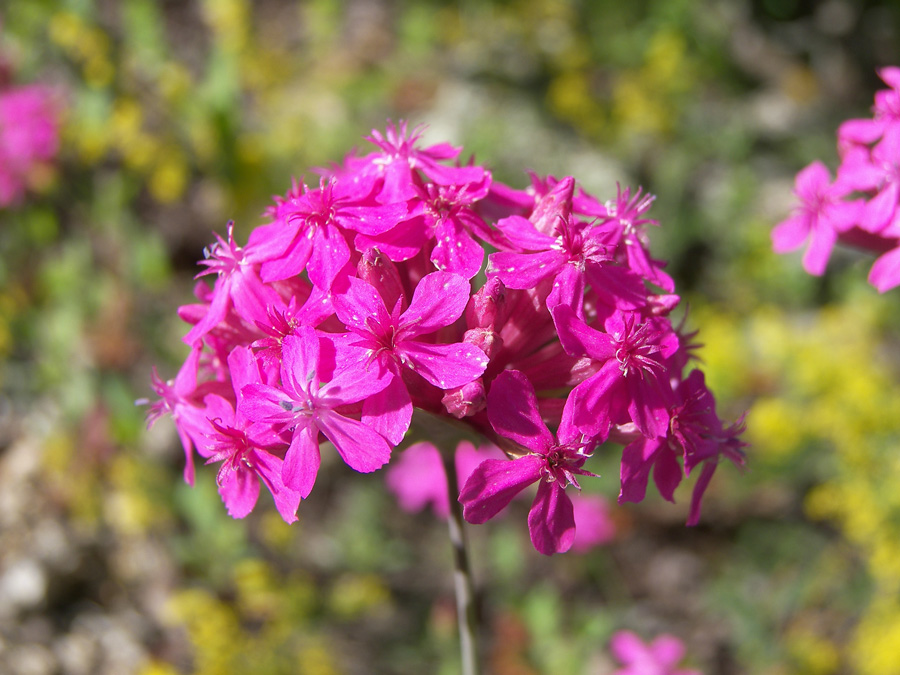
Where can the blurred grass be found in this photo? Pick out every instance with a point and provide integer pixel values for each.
(181, 116)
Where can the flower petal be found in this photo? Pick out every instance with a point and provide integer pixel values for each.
(239, 489)
(579, 339)
(302, 460)
(439, 299)
(494, 483)
(551, 520)
(444, 366)
(361, 447)
(300, 362)
(389, 412)
(513, 411)
(885, 272)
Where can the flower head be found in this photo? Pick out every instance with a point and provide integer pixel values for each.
(367, 297)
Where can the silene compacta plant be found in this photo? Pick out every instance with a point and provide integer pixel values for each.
(405, 288)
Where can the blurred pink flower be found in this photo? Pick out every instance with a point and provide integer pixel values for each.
(819, 216)
(417, 477)
(594, 525)
(29, 137)
(660, 657)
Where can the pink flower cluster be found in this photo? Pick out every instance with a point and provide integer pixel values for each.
(861, 206)
(29, 137)
(404, 281)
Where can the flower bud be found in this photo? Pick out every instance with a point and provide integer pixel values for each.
(466, 400)
(486, 305)
(554, 205)
(378, 270)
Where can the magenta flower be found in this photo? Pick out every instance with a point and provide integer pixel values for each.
(574, 255)
(886, 113)
(399, 159)
(237, 285)
(316, 378)
(660, 657)
(181, 398)
(631, 384)
(622, 221)
(877, 172)
(870, 174)
(307, 231)
(248, 452)
(417, 479)
(695, 435)
(395, 342)
(444, 220)
(555, 462)
(820, 216)
(29, 137)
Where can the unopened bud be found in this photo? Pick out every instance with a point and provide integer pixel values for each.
(485, 339)
(552, 206)
(466, 400)
(379, 271)
(486, 305)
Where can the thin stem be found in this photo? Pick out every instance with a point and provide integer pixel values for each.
(462, 573)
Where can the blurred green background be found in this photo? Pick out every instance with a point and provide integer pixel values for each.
(183, 114)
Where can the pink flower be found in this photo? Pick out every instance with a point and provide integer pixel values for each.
(660, 657)
(886, 112)
(237, 285)
(397, 342)
(594, 525)
(417, 478)
(821, 214)
(860, 208)
(181, 398)
(248, 452)
(572, 254)
(317, 379)
(555, 462)
(29, 137)
(308, 229)
(622, 222)
(399, 158)
(631, 384)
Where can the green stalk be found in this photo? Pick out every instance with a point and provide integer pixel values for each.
(462, 573)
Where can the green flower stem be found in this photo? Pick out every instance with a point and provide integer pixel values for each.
(462, 574)
(446, 434)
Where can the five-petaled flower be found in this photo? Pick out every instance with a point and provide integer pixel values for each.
(553, 463)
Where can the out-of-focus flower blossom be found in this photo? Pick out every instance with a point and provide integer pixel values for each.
(861, 207)
(594, 525)
(417, 478)
(660, 657)
(29, 137)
